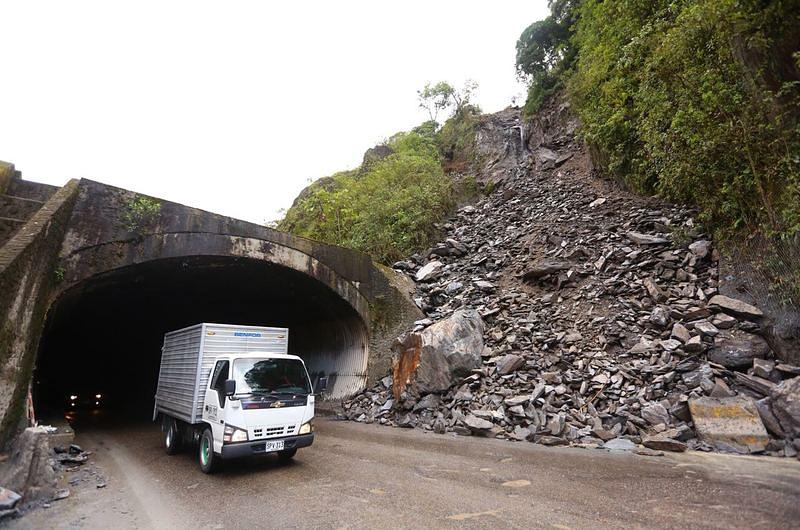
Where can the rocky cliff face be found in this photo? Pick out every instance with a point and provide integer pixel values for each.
(506, 144)
(603, 319)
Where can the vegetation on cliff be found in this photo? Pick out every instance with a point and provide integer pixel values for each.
(387, 209)
(389, 206)
(698, 100)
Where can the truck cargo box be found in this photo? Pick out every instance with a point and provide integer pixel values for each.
(189, 354)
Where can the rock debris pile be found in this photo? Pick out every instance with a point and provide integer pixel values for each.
(74, 463)
(562, 310)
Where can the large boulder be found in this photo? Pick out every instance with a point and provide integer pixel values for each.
(786, 406)
(436, 358)
(736, 349)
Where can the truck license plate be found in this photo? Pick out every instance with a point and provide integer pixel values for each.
(274, 446)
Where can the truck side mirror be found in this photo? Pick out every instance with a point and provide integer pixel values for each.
(230, 387)
(322, 384)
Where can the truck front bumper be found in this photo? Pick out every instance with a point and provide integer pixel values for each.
(242, 449)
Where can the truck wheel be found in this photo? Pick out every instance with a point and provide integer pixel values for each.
(172, 437)
(208, 460)
(288, 454)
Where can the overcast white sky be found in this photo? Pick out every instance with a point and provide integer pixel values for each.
(233, 106)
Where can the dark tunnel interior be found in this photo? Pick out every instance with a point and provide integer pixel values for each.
(104, 336)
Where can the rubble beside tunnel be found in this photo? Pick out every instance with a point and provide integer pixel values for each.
(104, 334)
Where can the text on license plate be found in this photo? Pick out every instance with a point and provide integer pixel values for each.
(274, 446)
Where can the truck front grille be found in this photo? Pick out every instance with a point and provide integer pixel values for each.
(271, 431)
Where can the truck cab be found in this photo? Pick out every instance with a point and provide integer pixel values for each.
(255, 403)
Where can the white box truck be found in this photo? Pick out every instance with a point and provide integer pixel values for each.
(233, 391)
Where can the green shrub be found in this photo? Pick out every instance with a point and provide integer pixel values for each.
(138, 212)
(427, 129)
(387, 211)
(541, 87)
(456, 138)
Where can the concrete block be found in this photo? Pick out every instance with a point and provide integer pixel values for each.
(731, 424)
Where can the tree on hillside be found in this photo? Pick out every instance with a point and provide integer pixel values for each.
(545, 45)
(442, 95)
(435, 98)
(540, 47)
(461, 98)
(545, 51)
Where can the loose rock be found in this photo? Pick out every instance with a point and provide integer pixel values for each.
(8, 499)
(737, 349)
(663, 443)
(619, 444)
(478, 425)
(786, 406)
(430, 271)
(735, 307)
(509, 363)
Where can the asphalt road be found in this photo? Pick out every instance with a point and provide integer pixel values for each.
(366, 476)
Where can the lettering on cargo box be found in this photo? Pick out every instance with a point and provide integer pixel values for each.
(246, 334)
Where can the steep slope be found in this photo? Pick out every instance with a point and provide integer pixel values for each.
(600, 313)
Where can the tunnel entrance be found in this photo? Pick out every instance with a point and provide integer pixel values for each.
(103, 337)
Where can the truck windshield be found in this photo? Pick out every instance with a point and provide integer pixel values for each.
(255, 376)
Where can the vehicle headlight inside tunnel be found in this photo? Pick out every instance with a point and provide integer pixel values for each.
(234, 434)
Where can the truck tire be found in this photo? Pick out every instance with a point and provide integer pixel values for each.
(172, 437)
(288, 454)
(209, 462)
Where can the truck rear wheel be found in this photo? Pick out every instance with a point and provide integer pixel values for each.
(172, 437)
(208, 460)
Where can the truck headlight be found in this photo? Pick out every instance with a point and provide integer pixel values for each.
(234, 434)
(307, 428)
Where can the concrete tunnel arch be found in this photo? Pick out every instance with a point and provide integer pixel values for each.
(109, 320)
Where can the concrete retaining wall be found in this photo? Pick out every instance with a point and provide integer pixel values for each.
(27, 277)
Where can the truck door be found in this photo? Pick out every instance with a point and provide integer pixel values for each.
(214, 407)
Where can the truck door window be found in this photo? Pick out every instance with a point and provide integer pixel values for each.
(218, 378)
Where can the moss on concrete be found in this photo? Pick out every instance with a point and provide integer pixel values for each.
(392, 312)
(27, 262)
